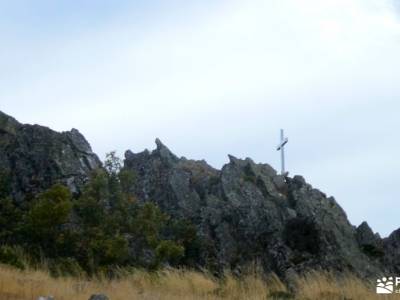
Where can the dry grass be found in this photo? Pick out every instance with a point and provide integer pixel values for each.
(317, 285)
(178, 284)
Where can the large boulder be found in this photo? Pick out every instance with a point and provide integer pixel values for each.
(33, 157)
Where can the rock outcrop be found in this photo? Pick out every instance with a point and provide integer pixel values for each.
(246, 212)
(33, 157)
(243, 213)
(392, 251)
(370, 242)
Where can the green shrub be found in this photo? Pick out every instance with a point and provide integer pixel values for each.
(169, 251)
(148, 223)
(67, 266)
(45, 218)
(98, 230)
(13, 256)
(185, 234)
(5, 183)
(10, 220)
(113, 163)
(127, 179)
(51, 209)
(109, 250)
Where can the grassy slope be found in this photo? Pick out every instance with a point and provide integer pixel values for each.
(176, 284)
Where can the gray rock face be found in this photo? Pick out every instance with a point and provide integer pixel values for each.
(392, 251)
(33, 158)
(370, 243)
(246, 212)
(174, 184)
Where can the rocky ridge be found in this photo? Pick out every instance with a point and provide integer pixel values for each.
(244, 213)
(34, 157)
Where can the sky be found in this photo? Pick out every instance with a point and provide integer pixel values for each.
(211, 78)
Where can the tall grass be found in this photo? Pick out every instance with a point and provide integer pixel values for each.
(171, 284)
(324, 285)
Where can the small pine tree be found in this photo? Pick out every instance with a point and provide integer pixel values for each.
(47, 215)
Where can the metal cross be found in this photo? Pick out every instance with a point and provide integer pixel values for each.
(281, 147)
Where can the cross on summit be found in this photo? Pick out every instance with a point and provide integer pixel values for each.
(281, 147)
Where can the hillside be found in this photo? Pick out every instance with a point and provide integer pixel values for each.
(155, 209)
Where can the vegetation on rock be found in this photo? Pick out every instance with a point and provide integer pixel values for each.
(61, 207)
(101, 228)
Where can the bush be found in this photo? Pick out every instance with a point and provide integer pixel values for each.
(5, 183)
(185, 234)
(106, 250)
(13, 256)
(148, 224)
(48, 213)
(169, 251)
(10, 221)
(67, 266)
(100, 229)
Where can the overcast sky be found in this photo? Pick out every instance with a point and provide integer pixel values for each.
(216, 77)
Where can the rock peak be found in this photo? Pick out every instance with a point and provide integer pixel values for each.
(4, 115)
(8, 124)
(159, 144)
(164, 152)
(34, 151)
(79, 141)
(232, 159)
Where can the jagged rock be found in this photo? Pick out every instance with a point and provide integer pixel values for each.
(33, 157)
(370, 243)
(365, 236)
(246, 212)
(99, 297)
(174, 184)
(392, 251)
